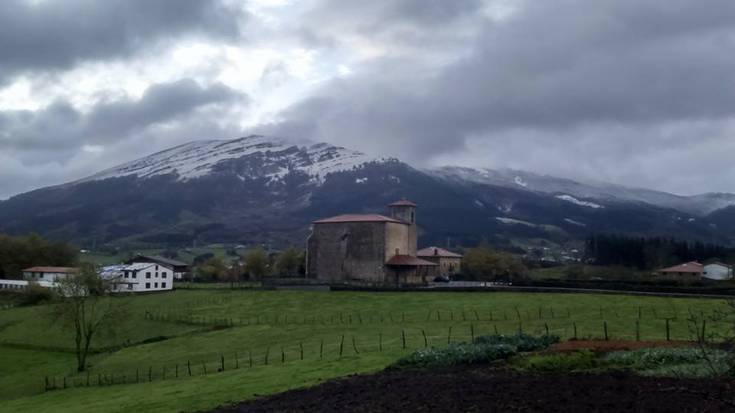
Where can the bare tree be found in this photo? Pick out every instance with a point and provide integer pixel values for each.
(86, 308)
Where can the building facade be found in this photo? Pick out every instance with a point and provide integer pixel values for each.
(138, 277)
(180, 269)
(448, 262)
(368, 249)
(717, 271)
(51, 274)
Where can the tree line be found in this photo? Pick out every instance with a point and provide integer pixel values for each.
(252, 266)
(649, 253)
(18, 253)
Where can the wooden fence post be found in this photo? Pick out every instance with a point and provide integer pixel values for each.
(472, 332)
(341, 345)
(604, 326)
(574, 325)
(546, 326)
(188, 366)
(321, 350)
(638, 330)
(354, 345)
(301, 350)
(426, 340)
(403, 338)
(668, 335)
(449, 335)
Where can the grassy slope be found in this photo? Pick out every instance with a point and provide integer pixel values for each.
(286, 320)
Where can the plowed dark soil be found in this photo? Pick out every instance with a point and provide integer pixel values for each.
(486, 389)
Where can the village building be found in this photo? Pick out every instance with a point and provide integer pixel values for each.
(138, 277)
(449, 262)
(50, 274)
(689, 270)
(718, 271)
(368, 249)
(180, 269)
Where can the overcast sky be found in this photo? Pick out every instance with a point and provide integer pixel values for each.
(636, 92)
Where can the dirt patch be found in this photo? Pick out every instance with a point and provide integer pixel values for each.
(603, 346)
(483, 389)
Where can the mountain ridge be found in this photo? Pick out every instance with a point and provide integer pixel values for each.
(259, 189)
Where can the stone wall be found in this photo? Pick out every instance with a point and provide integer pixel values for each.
(345, 251)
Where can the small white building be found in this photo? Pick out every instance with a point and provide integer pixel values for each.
(23, 284)
(51, 274)
(717, 271)
(138, 277)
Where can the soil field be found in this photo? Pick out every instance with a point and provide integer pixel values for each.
(488, 389)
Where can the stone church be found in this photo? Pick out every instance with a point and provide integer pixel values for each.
(368, 249)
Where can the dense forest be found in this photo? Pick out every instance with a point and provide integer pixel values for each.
(17, 253)
(650, 253)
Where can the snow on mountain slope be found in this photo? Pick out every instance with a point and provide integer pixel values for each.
(702, 204)
(576, 201)
(199, 158)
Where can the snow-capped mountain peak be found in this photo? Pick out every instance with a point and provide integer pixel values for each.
(279, 157)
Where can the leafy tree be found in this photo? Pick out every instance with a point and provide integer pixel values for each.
(484, 263)
(17, 253)
(290, 262)
(212, 269)
(256, 263)
(86, 309)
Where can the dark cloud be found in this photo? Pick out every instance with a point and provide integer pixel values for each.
(56, 35)
(558, 75)
(58, 132)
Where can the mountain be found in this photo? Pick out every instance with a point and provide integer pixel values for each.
(699, 205)
(259, 189)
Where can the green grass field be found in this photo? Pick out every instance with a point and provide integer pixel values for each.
(201, 330)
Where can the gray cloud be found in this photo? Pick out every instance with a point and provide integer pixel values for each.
(165, 115)
(562, 75)
(56, 35)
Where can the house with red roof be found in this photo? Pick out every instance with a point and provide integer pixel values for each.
(449, 262)
(691, 270)
(368, 249)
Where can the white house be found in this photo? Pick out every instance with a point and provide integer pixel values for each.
(23, 284)
(138, 277)
(717, 271)
(51, 274)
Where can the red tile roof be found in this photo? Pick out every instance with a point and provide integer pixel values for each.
(359, 218)
(51, 269)
(403, 202)
(437, 252)
(408, 261)
(689, 267)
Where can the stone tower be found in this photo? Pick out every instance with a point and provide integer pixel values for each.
(405, 211)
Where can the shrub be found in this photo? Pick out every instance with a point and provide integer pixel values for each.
(690, 362)
(455, 354)
(484, 349)
(35, 294)
(563, 363)
(522, 342)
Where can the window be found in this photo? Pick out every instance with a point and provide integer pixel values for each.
(147, 285)
(163, 274)
(130, 286)
(148, 275)
(163, 285)
(155, 285)
(127, 274)
(156, 274)
(135, 274)
(156, 267)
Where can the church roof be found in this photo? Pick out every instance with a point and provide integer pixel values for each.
(437, 252)
(359, 218)
(403, 202)
(408, 261)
